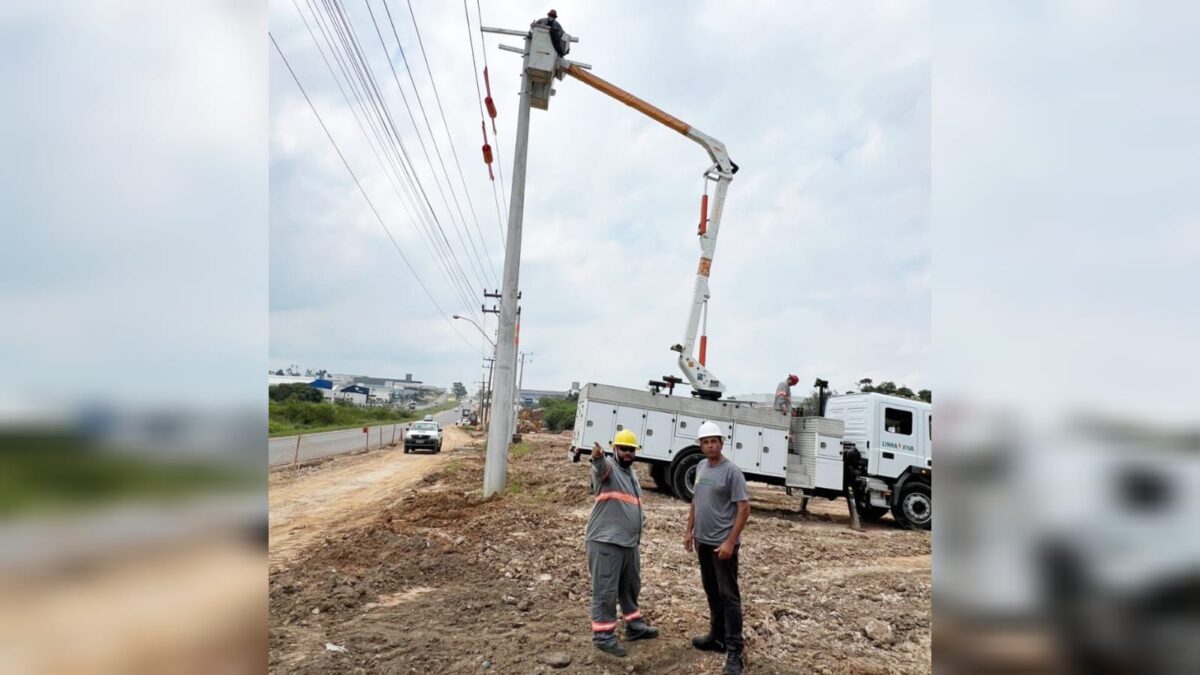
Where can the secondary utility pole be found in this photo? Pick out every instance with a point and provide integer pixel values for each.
(539, 67)
(516, 430)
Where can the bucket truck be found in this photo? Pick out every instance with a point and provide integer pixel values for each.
(874, 447)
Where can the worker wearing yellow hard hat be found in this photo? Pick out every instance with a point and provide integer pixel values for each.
(614, 535)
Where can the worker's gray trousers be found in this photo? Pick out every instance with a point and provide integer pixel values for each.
(616, 579)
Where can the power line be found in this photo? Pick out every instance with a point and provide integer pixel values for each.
(495, 131)
(442, 111)
(373, 94)
(500, 219)
(433, 136)
(364, 192)
(423, 228)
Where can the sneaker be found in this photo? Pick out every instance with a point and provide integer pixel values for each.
(647, 633)
(708, 643)
(611, 647)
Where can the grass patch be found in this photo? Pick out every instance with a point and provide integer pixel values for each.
(454, 466)
(520, 450)
(59, 472)
(516, 483)
(291, 417)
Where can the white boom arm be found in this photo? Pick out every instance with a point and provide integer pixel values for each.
(700, 378)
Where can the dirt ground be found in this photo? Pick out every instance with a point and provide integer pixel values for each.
(343, 492)
(432, 578)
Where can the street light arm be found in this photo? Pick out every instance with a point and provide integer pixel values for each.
(477, 326)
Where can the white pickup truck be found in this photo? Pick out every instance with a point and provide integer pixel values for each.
(426, 435)
(888, 440)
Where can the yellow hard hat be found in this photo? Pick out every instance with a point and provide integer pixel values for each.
(625, 437)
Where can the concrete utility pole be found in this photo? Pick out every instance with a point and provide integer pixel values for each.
(517, 409)
(486, 412)
(539, 67)
(495, 472)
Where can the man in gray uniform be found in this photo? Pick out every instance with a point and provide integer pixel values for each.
(614, 533)
(720, 509)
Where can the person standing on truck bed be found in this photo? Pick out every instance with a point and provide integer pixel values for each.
(614, 535)
(720, 509)
(783, 395)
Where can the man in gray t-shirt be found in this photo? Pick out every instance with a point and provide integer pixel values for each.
(720, 509)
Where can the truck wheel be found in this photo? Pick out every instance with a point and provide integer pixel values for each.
(662, 476)
(914, 508)
(683, 476)
(439, 447)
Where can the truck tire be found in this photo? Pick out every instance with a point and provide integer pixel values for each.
(913, 509)
(683, 475)
(661, 474)
(438, 448)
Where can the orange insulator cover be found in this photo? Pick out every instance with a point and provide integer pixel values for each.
(491, 107)
(487, 154)
(703, 214)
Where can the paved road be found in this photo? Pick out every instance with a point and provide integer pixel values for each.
(330, 443)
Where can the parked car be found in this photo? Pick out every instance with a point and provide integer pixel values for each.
(423, 436)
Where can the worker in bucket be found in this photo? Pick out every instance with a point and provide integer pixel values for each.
(783, 395)
(614, 535)
(720, 509)
(556, 31)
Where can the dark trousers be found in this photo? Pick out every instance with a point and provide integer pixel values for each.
(724, 599)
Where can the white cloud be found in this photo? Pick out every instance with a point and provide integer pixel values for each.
(822, 266)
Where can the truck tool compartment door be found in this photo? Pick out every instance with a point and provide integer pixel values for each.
(746, 443)
(773, 456)
(633, 419)
(656, 443)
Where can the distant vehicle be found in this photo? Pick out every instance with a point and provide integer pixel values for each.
(412, 405)
(423, 436)
(428, 418)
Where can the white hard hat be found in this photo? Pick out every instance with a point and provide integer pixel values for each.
(709, 429)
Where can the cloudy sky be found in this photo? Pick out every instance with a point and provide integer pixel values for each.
(823, 265)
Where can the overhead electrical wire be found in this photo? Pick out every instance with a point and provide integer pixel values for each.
(370, 86)
(495, 131)
(478, 259)
(366, 197)
(437, 96)
(500, 219)
(431, 240)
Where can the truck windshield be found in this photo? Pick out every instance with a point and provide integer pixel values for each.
(425, 426)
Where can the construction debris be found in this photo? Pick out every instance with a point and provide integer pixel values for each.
(503, 582)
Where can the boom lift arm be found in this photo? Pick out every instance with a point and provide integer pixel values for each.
(704, 384)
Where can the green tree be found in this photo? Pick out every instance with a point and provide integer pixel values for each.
(296, 391)
(460, 392)
(866, 385)
(905, 392)
(558, 414)
(925, 395)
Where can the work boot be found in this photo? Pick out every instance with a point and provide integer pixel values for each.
(708, 643)
(733, 663)
(647, 632)
(610, 646)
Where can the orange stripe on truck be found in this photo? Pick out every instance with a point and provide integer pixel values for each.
(619, 496)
